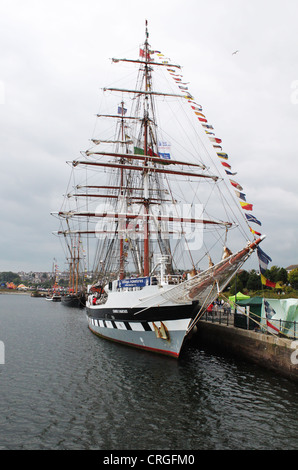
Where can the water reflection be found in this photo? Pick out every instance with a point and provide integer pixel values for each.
(64, 388)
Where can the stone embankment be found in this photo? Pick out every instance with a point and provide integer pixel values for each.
(276, 353)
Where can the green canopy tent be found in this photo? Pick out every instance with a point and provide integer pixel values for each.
(240, 319)
(255, 306)
(239, 296)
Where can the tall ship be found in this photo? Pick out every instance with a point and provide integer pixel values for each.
(155, 205)
(75, 295)
(53, 293)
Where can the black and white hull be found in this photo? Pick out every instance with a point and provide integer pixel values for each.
(159, 316)
(142, 319)
(54, 298)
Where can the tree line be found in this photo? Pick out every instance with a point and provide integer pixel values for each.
(251, 280)
(9, 276)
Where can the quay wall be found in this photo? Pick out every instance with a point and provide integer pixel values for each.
(275, 353)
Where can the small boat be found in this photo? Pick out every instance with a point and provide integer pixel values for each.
(54, 297)
(37, 294)
(161, 210)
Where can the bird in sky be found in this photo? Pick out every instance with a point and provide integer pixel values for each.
(235, 52)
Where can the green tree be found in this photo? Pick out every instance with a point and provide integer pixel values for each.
(254, 281)
(276, 274)
(243, 276)
(9, 276)
(293, 278)
(272, 273)
(283, 276)
(236, 285)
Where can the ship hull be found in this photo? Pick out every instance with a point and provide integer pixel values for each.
(54, 298)
(74, 301)
(158, 317)
(158, 329)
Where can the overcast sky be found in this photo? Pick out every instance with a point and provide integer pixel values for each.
(54, 58)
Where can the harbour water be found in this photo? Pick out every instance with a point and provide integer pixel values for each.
(61, 387)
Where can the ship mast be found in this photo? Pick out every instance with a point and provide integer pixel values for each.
(138, 181)
(121, 268)
(146, 266)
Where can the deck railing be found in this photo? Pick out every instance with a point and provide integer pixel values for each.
(250, 321)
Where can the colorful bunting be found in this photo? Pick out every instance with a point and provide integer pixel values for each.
(226, 164)
(215, 139)
(246, 206)
(240, 195)
(264, 260)
(197, 108)
(251, 218)
(236, 185)
(223, 155)
(121, 110)
(267, 283)
(255, 232)
(270, 312)
(143, 54)
(200, 114)
(193, 102)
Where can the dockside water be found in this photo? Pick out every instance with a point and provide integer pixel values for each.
(61, 387)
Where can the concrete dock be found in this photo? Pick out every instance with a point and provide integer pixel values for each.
(273, 352)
